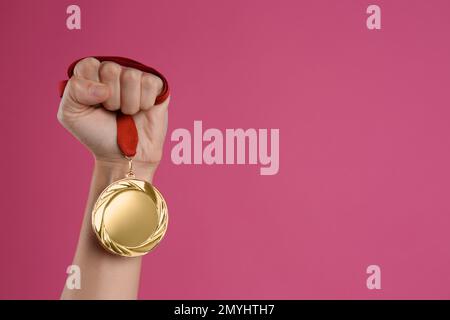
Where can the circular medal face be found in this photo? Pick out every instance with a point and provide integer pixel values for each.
(130, 217)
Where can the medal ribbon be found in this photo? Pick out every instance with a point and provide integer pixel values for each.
(127, 135)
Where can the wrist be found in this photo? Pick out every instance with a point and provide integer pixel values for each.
(116, 169)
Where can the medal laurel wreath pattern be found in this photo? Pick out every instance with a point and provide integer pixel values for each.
(102, 203)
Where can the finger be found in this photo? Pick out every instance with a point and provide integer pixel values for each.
(156, 119)
(87, 68)
(151, 87)
(81, 92)
(130, 90)
(109, 74)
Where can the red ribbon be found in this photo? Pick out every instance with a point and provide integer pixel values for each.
(127, 135)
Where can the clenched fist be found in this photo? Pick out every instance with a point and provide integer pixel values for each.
(96, 91)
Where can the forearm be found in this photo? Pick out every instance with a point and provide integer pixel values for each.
(104, 275)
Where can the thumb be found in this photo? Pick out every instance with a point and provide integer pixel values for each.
(80, 92)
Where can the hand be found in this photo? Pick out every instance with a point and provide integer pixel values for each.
(92, 96)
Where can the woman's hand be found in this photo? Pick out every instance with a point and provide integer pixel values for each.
(92, 96)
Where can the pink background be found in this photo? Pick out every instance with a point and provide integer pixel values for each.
(364, 146)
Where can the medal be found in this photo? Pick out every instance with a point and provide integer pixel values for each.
(130, 216)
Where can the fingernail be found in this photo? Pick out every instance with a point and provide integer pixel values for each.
(98, 90)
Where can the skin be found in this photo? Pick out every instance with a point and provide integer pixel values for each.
(87, 110)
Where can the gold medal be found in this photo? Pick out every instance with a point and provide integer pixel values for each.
(130, 216)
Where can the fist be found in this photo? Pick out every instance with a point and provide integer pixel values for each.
(96, 91)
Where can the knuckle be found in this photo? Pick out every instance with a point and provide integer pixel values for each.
(131, 75)
(86, 64)
(73, 84)
(109, 69)
(75, 88)
(149, 82)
